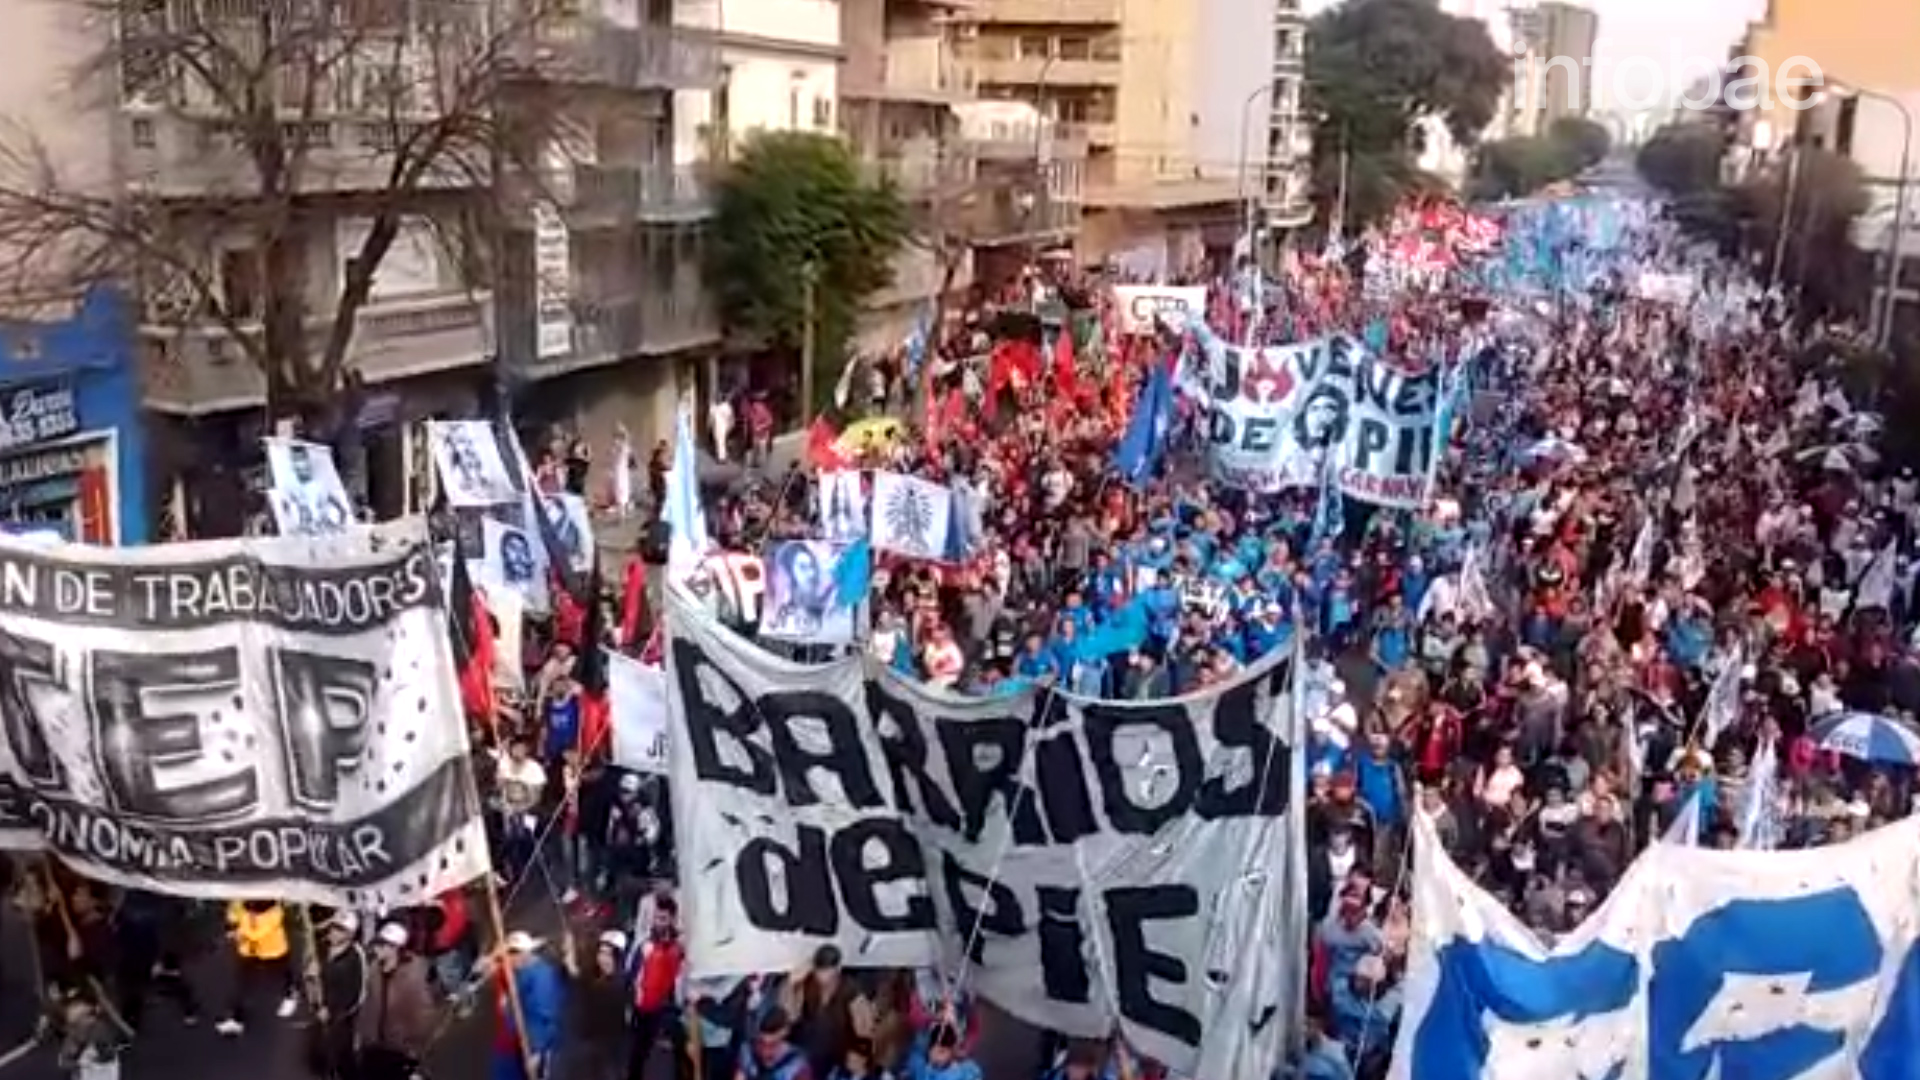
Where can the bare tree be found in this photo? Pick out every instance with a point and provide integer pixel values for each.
(248, 104)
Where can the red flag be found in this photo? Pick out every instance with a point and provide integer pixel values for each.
(470, 629)
(633, 603)
(590, 671)
(1065, 379)
(823, 447)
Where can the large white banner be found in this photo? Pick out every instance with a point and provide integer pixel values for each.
(1276, 413)
(1096, 863)
(305, 493)
(1176, 305)
(275, 719)
(1701, 963)
(637, 706)
(467, 457)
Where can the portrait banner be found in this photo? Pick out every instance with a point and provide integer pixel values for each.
(803, 602)
(271, 719)
(466, 454)
(305, 493)
(840, 504)
(511, 560)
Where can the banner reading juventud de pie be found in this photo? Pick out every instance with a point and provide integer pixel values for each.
(267, 718)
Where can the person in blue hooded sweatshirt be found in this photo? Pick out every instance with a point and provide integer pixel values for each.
(542, 994)
(1162, 605)
(944, 1059)
(772, 1055)
(1265, 632)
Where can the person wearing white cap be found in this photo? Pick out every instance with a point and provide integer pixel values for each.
(542, 994)
(599, 1009)
(400, 1016)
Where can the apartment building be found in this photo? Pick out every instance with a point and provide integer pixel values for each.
(903, 80)
(1125, 77)
(1552, 45)
(1286, 173)
(1868, 100)
(542, 211)
(602, 301)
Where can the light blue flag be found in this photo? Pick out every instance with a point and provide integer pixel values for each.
(917, 341)
(1376, 334)
(853, 574)
(1685, 830)
(688, 543)
(1759, 824)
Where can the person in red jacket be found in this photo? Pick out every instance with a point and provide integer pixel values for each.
(656, 965)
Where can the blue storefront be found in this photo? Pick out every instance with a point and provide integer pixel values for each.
(71, 455)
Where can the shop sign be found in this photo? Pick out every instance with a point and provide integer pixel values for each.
(33, 468)
(36, 414)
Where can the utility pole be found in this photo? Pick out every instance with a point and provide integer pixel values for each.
(1786, 216)
(807, 347)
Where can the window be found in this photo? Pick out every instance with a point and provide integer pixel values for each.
(1075, 48)
(1282, 44)
(1035, 47)
(822, 112)
(142, 133)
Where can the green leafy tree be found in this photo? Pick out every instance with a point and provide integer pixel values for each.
(1682, 159)
(1586, 141)
(793, 207)
(1375, 70)
(1510, 168)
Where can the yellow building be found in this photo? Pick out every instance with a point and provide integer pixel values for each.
(1867, 96)
(1126, 74)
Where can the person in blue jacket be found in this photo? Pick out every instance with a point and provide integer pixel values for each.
(771, 1055)
(543, 1001)
(944, 1059)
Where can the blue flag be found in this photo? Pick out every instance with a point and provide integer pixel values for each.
(1329, 514)
(853, 574)
(1146, 438)
(917, 341)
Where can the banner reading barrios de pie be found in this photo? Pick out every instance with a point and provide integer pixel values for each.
(268, 718)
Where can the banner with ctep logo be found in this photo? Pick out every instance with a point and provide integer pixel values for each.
(264, 719)
(1275, 414)
(1139, 305)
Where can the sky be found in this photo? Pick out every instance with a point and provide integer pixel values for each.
(1680, 37)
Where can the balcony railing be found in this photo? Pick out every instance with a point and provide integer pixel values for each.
(597, 52)
(1014, 217)
(1057, 12)
(201, 369)
(656, 322)
(1100, 70)
(920, 173)
(170, 154)
(619, 194)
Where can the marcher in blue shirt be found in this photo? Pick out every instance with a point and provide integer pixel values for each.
(1378, 777)
(1036, 661)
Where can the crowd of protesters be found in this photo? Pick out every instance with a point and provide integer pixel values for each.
(1513, 660)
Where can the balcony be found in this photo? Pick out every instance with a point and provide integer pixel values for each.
(920, 170)
(181, 155)
(1053, 12)
(200, 370)
(611, 196)
(1103, 135)
(598, 52)
(1014, 217)
(1044, 71)
(923, 70)
(1026, 141)
(655, 323)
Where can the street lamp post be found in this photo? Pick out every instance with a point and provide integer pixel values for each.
(1889, 304)
(1244, 163)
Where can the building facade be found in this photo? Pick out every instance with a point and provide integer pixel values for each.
(1286, 174)
(1552, 44)
(1125, 78)
(72, 460)
(1864, 107)
(902, 82)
